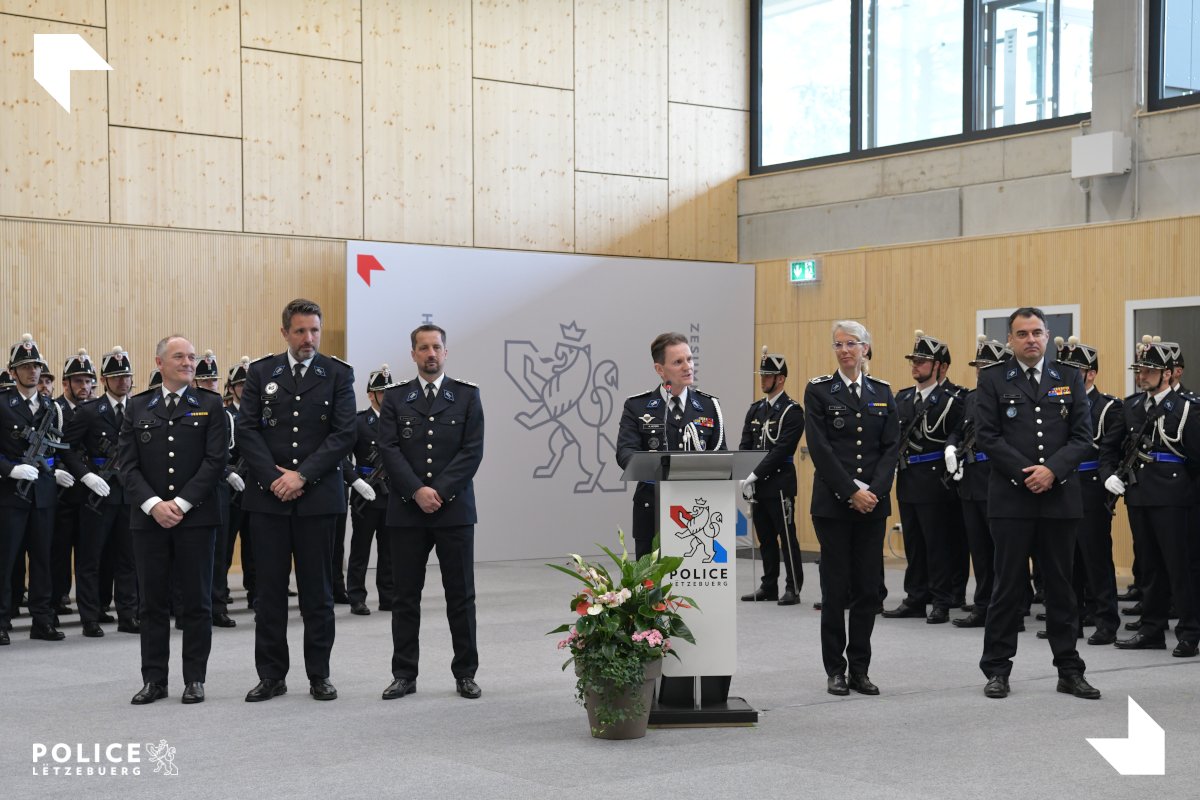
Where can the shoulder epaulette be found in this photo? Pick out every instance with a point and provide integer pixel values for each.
(822, 378)
(1134, 396)
(398, 383)
(460, 380)
(340, 361)
(995, 364)
(642, 394)
(206, 391)
(91, 400)
(263, 358)
(704, 394)
(4, 389)
(138, 394)
(878, 380)
(907, 390)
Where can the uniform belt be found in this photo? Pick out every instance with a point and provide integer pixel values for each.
(50, 461)
(980, 456)
(99, 462)
(1169, 458)
(921, 459)
(364, 470)
(1088, 466)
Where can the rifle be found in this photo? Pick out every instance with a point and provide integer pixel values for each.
(1132, 454)
(43, 438)
(906, 439)
(377, 480)
(106, 473)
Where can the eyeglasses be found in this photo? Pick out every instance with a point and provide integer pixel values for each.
(843, 345)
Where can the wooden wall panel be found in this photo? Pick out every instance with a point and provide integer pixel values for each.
(525, 41)
(710, 52)
(302, 151)
(175, 180)
(842, 287)
(155, 85)
(83, 12)
(417, 120)
(524, 167)
(621, 87)
(708, 155)
(325, 28)
(620, 216)
(54, 164)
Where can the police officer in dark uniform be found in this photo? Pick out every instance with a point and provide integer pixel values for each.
(673, 416)
(431, 439)
(79, 378)
(239, 521)
(930, 515)
(173, 447)
(1095, 533)
(296, 427)
(369, 503)
(104, 521)
(774, 424)
(968, 464)
(28, 492)
(1033, 422)
(853, 434)
(1163, 427)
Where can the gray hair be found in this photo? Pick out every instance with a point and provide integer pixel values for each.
(161, 348)
(855, 329)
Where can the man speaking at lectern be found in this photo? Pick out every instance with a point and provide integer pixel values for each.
(673, 417)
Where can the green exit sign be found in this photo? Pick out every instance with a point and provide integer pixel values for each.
(804, 270)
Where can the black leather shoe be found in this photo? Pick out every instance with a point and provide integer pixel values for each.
(360, 608)
(193, 693)
(1136, 625)
(63, 608)
(149, 693)
(1186, 650)
(322, 689)
(223, 620)
(1076, 685)
(341, 598)
(47, 633)
(862, 684)
(837, 685)
(1134, 610)
(92, 630)
(972, 620)
(468, 688)
(106, 617)
(760, 595)
(903, 611)
(1140, 641)
(789, 598)
(938, 616)
(4, 638)
(385, 606)
(1039, 598)
(399, 687)
(1102, 637)
(265, 690)
(997, 687)
(130, 626)
(1132, 593)
(968, 607)
(1046, 634)
(1040, 616)
(1088, 621)
(817, 606)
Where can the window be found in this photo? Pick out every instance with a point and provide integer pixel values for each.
(1174, 53)
(1174, 319)
(837, 79)
(1060, 320)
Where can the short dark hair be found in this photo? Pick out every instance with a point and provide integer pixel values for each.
(427, 327)
(658, 348)
(1026, 311)
(300, 306)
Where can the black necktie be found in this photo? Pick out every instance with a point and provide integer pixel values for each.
(676, 409)
(172, 398)
(854, 391)
(119, 413)
(298, 371)
(1033, 381)
(918, 405)
(430, 393)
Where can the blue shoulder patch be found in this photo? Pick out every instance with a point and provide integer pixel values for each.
(696, 405)
(320, 371)
(1053, 372)
(411, 396)
(192, 401)
(278, 371)
(449, 395)
(654, 403)
(836, 387)
(154, 401)
(1012, 373)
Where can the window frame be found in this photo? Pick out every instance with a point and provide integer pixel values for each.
(1131, 335)
(1154, 73)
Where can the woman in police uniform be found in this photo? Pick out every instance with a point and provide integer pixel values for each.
(853, 437)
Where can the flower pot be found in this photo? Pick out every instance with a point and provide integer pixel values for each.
(635, 727)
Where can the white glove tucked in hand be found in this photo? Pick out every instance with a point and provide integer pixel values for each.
(63, 478)
(1115, 485)
(24, 472)
(96, 484)
(363, 488)
(958, 473)
(235, 480)
(951, 457)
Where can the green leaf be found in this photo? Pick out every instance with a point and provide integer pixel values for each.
(570, 572)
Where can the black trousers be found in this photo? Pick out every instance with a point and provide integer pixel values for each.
(239, 530)
(17, 584)
(66, 538)
(931, 546)
(1166, 575)
(455, 548)
(851, 558)
(220, 571)
(339, 555)
(98, 532)
(369, 526)
(35, 528)
(178, 559)
(774, 521)
(1052, 541)
(1095, 546)
(983, 551)
(277, 540)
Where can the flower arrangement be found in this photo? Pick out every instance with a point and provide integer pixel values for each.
(625, 619)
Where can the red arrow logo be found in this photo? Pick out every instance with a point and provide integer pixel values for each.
(367, 265)
(680, 516)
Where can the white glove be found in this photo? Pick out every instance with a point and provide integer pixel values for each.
(63, 478)
(24, 472)
(235, 480)
(951, 460)
(364, 489)
(958, 473)
(1115, 485)
(96, 484)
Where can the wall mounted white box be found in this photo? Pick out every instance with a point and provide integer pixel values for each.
(1106, 153)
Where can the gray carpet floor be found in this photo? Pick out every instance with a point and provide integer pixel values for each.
(932, 733)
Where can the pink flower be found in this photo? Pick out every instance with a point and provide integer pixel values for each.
(581, 608)
(649, 584)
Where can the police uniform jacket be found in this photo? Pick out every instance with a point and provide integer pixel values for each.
(976, 468)
(170, 454)
(92, 432)
(307, 427)
(15, 419)
(1108, 425)
(440, 446)
(1169, 458)
(1018, 427)
(78, 493)
(851, 440)
(922, 454)
(777, 428)
(366, 447)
